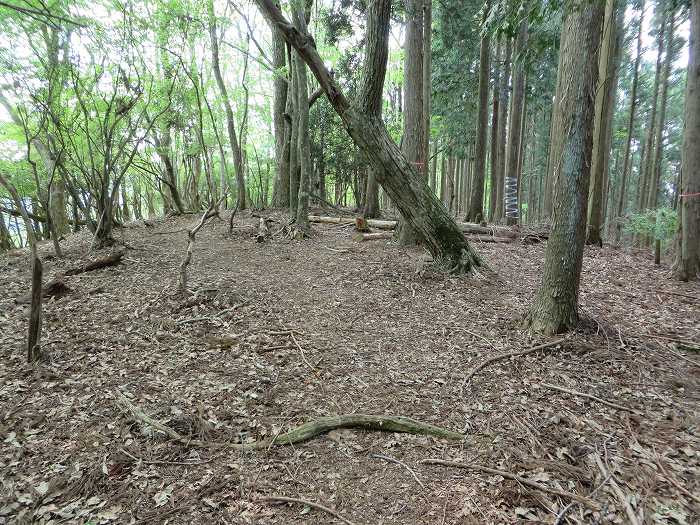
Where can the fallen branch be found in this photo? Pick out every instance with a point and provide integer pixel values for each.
(393, 460)
(524, 481)
(618, 492)
(306, 431)
(500, 357)
(318, 506)
(103, 262)
(590, 396)
(676, 484)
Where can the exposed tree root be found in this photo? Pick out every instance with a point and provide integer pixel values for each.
(103, 262)
(306, 431)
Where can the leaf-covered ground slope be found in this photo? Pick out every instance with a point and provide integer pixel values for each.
(279, 333)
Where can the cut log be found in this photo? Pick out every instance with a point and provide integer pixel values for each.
(103, 262)
(361, 225)
(361, 237)
(488, 238)
(263, 231)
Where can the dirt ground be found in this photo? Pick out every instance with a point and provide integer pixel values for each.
(279, 333)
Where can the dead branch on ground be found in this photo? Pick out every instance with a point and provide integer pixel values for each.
(618, 491)
(524, 481)
(590, 396)
(500, 357)
(318, 506)
(394, 460)
(103, 262)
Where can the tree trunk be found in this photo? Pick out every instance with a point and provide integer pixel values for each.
(407, 189)
(494, 133)
(502, 126)
(302, 94)
(6, 242)
(413, 132)
(645, 172)
(230, 122)
(554, 308)
(687, 267)
(655, 175)
(427, 85)
(515, 131)
(605, 94)
(626, 166)
(475, 211)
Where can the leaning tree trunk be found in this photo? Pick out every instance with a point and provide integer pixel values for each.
(413, 132)
(407, 189)
(230, 122)
(554, 308)
(687, 267)
(475, 211)
(601, 143)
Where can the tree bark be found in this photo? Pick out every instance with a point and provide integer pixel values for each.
(554, 308)
(687, 267)
(304, 148)
(407, 189)
(475, 211)
(280, 85)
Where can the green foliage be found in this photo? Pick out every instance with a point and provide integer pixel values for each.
(661, 223)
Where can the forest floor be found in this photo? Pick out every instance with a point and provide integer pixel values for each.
(280, 333)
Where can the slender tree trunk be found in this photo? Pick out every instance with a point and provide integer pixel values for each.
(605, 94)
(503, 105)
(281, 187)
(427, 85)
(687, 266)
(494, 134)
(626, 163)
(413, 132)
(515, 131)
(555, 306)
(230, 121)
(655, 175)
(475, 212)
(645, 172)
(302, 94)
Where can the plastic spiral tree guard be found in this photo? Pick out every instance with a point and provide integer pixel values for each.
(511, 197)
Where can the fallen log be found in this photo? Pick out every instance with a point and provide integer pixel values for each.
(466, 227)
(103, 262)
(361, 237)
(372, 223)
(489, 238)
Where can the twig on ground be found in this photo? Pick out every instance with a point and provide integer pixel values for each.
(532, 484)
(618, 491)
(675, 483)
(511, 354)
(318, 506)
(590, 396)
(562, 514)
(393, 460)
(161, 462)
(301, 351)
